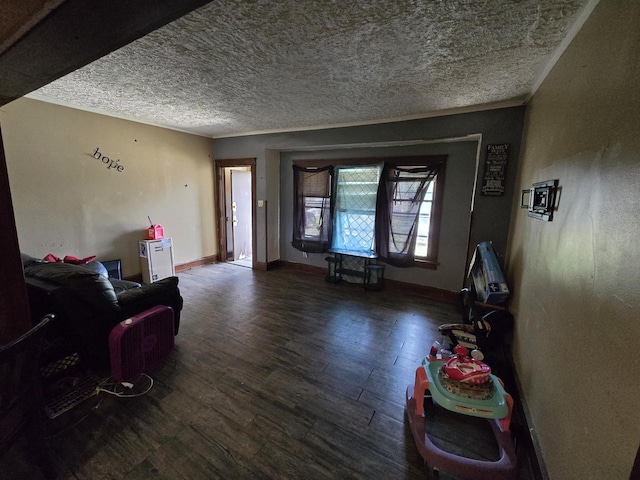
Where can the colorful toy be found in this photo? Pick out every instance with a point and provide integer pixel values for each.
(464, 385)
(462, 368)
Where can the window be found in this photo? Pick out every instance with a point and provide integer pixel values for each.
(429, 222)
(392, 208)
(426, 244)
(421, 250)
(354, 218)
(405, 214)
(312, 211)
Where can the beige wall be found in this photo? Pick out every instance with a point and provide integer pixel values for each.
(575, 280)
(67, 202)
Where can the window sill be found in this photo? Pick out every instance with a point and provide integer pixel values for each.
(428, 264)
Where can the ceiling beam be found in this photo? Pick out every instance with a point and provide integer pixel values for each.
(75, 34)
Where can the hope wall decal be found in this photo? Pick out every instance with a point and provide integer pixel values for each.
(110, 163)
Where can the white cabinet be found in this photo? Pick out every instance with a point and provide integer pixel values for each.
(156, 259)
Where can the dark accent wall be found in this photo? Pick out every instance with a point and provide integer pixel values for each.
(456, 211)
(430, 135)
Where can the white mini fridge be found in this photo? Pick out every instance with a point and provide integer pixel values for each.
(156, 259)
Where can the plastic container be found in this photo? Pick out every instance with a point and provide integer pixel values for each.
(155, 232)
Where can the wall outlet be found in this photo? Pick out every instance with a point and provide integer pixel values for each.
(260, 203)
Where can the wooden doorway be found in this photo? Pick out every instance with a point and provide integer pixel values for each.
(236, 191)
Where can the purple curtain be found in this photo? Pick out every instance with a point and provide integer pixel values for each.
(312, 223)
(400, 195)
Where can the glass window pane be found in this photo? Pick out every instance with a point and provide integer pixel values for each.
(355, 212)
(424, 223)
(313, 216)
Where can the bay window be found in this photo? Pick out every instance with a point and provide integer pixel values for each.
(391, 207)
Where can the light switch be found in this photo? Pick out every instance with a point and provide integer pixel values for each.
(260, 203)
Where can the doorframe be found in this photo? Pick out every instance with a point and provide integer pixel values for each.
(15, 316)
(220, 165)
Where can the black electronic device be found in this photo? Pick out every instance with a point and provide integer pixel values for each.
(541, 201)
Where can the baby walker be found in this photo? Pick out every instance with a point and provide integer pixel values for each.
(464, 385)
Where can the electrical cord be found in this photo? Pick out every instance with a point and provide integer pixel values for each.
(112, 388)
(109, 388)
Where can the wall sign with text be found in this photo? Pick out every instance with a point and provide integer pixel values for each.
(495, 167)
(109, 163)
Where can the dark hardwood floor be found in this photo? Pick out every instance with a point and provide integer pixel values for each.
(275, 375)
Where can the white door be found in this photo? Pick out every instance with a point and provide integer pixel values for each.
(241, 214)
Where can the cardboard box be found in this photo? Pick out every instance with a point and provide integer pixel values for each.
(156, 259)
(485, 271)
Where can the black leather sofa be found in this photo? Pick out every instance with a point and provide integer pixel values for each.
(88, 303)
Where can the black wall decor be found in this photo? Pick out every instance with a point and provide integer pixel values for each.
(110, 163)
(540, 200)
(495, 168)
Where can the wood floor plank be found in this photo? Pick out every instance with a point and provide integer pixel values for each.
(361, 458)
(181, 458)
(275, 375)
(281, 462)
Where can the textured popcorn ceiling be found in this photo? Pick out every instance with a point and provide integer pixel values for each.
(237, 66)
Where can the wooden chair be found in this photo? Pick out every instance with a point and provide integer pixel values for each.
(21, 403)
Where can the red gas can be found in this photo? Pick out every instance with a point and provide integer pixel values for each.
(155, 232)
